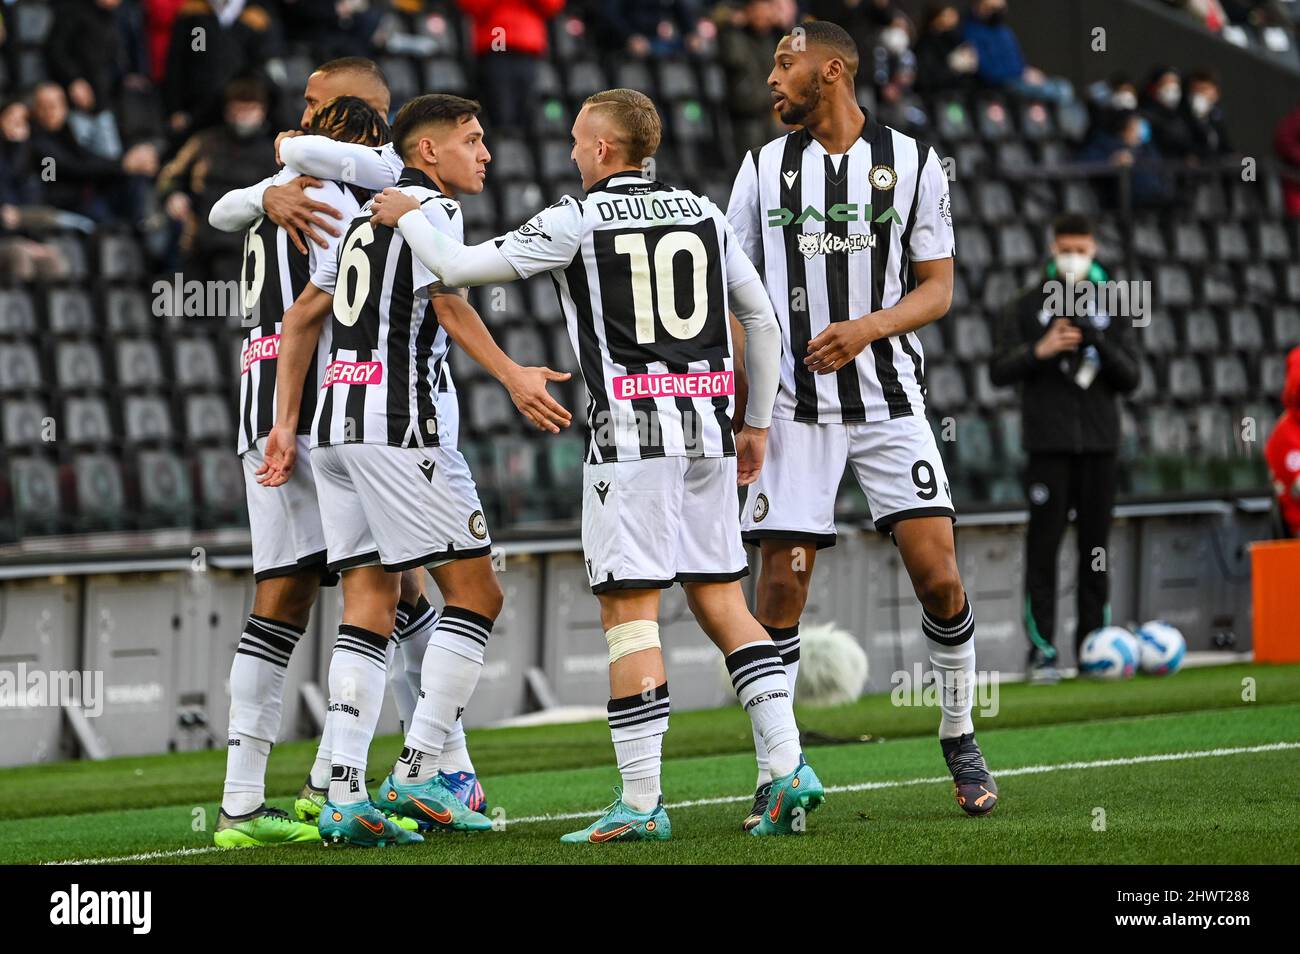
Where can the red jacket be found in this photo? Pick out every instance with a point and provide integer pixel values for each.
(1283, 448)
(159, 17)
(1286, 143)
(517, 26)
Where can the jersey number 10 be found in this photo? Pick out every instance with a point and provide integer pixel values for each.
(661, 279)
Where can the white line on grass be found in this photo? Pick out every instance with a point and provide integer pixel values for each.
(856, 787)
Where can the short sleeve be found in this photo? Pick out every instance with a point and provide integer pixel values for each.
(324, 262)
(742, 209)
(547, 241)
(932, 235)
(447, 218)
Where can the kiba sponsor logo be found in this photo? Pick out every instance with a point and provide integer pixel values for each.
(630, 387)
(265, 348)
(353, 372)
(76, 907)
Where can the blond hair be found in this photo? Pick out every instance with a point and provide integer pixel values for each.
(636, 116)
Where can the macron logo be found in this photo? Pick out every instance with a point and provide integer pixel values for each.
(789, 177)
(77, 907)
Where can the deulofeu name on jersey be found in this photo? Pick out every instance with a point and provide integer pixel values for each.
(640, 208)
(839, 212)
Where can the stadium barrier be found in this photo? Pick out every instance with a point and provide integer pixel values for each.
(147, 641)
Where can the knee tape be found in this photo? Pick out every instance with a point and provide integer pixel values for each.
(627, 638)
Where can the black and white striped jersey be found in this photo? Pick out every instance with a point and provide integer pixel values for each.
(274, 274)
(642, 271)
(388, 353)
(835, 237)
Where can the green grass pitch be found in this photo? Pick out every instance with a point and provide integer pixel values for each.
(1154, 771)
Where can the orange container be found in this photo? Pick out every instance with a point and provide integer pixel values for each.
(1275, 586)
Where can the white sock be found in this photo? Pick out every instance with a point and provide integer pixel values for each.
(356, 696)
(452, 665)
(764, 693)
(952, 654)
(395, 668)
(455, 751)
(786, 640)
(420, 620)
(319, 776)
(256, 704)
(637, 725)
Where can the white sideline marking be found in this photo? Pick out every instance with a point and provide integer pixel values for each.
(856, 787)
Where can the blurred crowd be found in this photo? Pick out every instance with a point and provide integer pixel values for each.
(153, 108)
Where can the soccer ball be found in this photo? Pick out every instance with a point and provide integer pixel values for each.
(1109, 653)
(1162, 648)
(832, 666)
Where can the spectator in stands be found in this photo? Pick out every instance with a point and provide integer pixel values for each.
(1070, 372)
(1286, 143)
(1283, 449)
(746, 43)
(159, 17)
(1124, 141)
(1001, 61)
(1209, 134)
(21, 258)
(332, 28)
(647, 28)
(944, 60)
(236, 37)
(1161, 103)
(80, 181)
(210, 164)
(1209, 13)
(880, 28)
(509, 40)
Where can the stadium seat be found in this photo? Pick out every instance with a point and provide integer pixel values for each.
(999, 288)
(1215, 431)
(98, 491)
(561, 350)
(1244, 331)
(689, 123)
(490, 410)
(1148, 240)
(521, 200)
(1286, 327)
(128, 311)
(445, 75)
(1168, 431)
(526, 345)
(952, 120)
(1185, 382)
(1232, 244)
(220, 484)
(972, 340)
(138, 364)
(556, 165)
(1016, 246)
(33, 22)
(1072, 120)
(195, 364)
(403, 81)
(120, 258)
(1259, 282)
(34, 486)
(17, 316)
(479, 211)
(1271, 241)
(973, 451)
(1173, 286)
(677, 81)
(1159, 336)
(1228, 375)
(1079, 196)
(713, 84)
(207, 418)
(1208, 202)
(499, 304)
(1036, 122)
(24, 423)
(86, 421)
(73, 248)
(1217, 286)
(1201, 332)
(1189, 243)
(543, 305)
(77, 366)
(993, 203)
(70, 312)
(993, 120)
(946, 387)
(931, 338)
(147, 419)
(20, 369)
(512, 159)
(583, 78)
(165, 495)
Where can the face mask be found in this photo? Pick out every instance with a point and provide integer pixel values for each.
(1124, 100)
(243, 128)
(1073, 266)
(1169, 95)
(1201, 105)
(894, 39)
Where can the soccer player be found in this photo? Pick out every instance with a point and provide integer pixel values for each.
(852, 224)
(288, 540)
(645, 274)
(393, 495)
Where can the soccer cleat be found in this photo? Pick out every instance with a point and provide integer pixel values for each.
(466, 787)
(261, 828)
(433, 803)
(620, 823)
(761, 795)
(1042, 670)
(789, 802)
(362, 825)
(410, 824)
(310, 801)
(973, 783)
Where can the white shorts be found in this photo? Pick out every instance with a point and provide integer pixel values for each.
(896, 462)
(647, 524)
(284, 521)
(400, 507)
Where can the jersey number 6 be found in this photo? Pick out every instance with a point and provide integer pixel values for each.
(347, 307)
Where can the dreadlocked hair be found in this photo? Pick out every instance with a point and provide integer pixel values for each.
(351, 119)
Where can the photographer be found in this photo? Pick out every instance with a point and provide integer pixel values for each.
(1070, 369)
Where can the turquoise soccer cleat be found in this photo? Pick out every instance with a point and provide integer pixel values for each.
(620, 823)
(431, 802)
(362, 825)
(792, 799)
